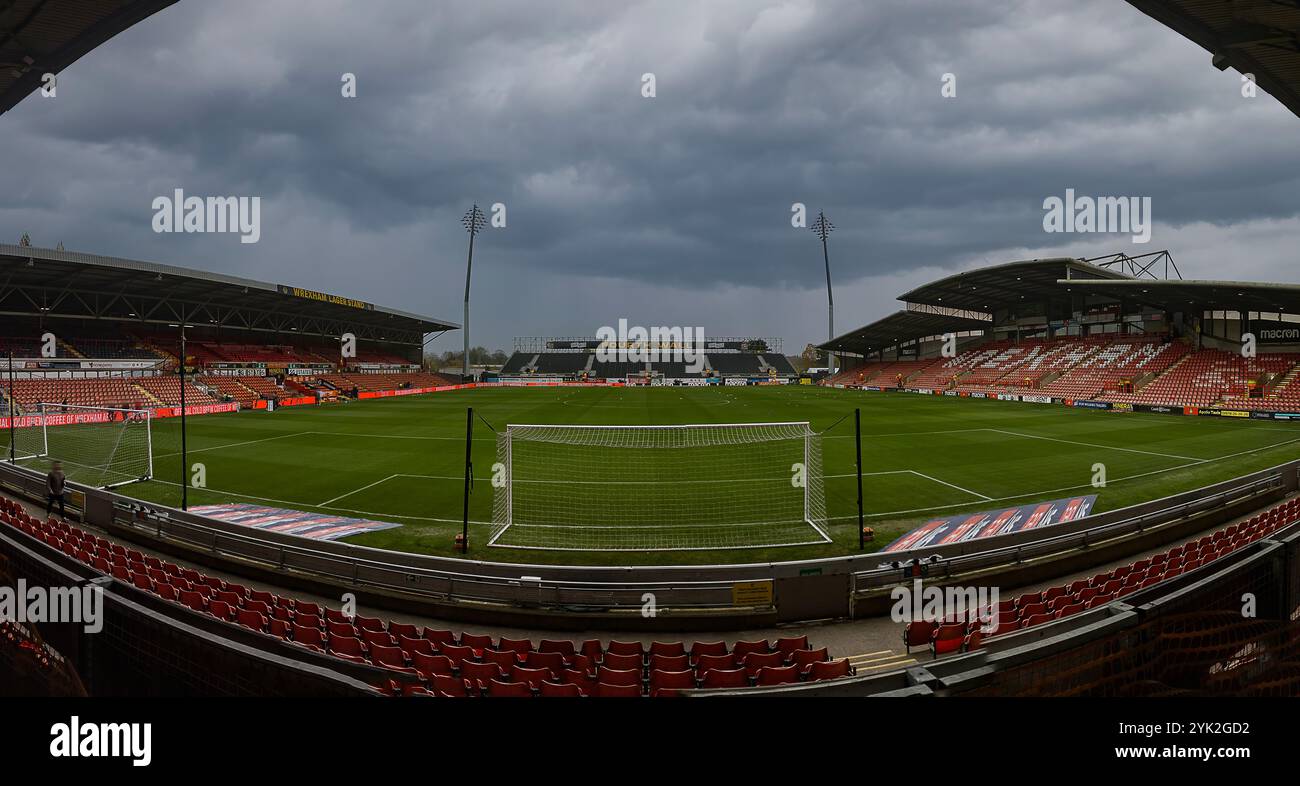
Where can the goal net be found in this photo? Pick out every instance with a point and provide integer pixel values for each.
(658, 488)
(98, 446)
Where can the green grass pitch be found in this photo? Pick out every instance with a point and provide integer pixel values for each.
(401, 459)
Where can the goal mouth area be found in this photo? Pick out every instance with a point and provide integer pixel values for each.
(686, 487)
(104, 447)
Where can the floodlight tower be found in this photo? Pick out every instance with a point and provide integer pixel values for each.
(474, 221)
(823, 228)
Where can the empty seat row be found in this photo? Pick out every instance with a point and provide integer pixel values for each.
(443, 662)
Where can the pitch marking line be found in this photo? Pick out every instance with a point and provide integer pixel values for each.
(357, 491)
(1193, 463)
(1092, 445)
(234, 444)
(950, 485)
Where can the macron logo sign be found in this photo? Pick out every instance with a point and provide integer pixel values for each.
(102, 740)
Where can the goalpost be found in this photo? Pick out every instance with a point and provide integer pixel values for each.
(658, 488)
(98, 446)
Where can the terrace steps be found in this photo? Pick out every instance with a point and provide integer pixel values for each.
(1168, 370)
(151, 398)
(69, 349)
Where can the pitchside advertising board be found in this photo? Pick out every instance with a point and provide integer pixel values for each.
(973, 526)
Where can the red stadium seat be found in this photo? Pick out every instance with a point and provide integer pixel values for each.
(610, 676)
(829, 670)
(446, 685)
(563, 648)
(724, 678)
(430, 665)
(805, 658)
(724, 662)
(251, 619)
(667, 683)
(789, 644)
(505, 659)
(947, 639)
(518, 646)
(532, 677)
(439, 637)
(411, 645)
(778, 675)
(670, 662)
(516, 690)
(309, 637)
(666, 648)
(699, 649)
(346, 645)
(561, 689)
(743, 648)
(918, 633)
(622, 661)
(761, 660)
(552, 661)
(480, 673)
(476, 642)
(610, 691)
(387, 656)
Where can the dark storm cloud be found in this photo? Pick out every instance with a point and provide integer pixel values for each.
(673, 209)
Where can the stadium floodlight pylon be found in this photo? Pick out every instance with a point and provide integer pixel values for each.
(99, 446)
(658, 488)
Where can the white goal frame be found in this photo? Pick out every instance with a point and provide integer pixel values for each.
(813, 492)
(47, 410)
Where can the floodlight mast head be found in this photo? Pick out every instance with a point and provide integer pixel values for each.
(822, 227)
(474, 221)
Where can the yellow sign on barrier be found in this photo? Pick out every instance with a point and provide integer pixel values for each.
(751, 593)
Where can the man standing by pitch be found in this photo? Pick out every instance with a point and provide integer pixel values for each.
(54, 489)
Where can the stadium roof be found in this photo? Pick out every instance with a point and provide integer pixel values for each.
(70, 284)
(47, 36)
(987, 288)
(1198, 295)
(1260, 37)
(899, 327)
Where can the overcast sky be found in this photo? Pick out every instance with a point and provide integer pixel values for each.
(665, 210)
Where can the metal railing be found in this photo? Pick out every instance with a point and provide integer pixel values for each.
(614, 588)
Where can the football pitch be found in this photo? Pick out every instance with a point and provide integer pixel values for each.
(401, 460)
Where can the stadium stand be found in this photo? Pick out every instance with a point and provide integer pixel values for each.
(1152, 369)
(166, 390)
(1027, 610)
(443, 662)
(379, 382)
(1208, 377)
(1115, 363)
(245, 390)
(544, 360)
(104, 392)
(779, 362)
(735, 364)
(567, 363)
